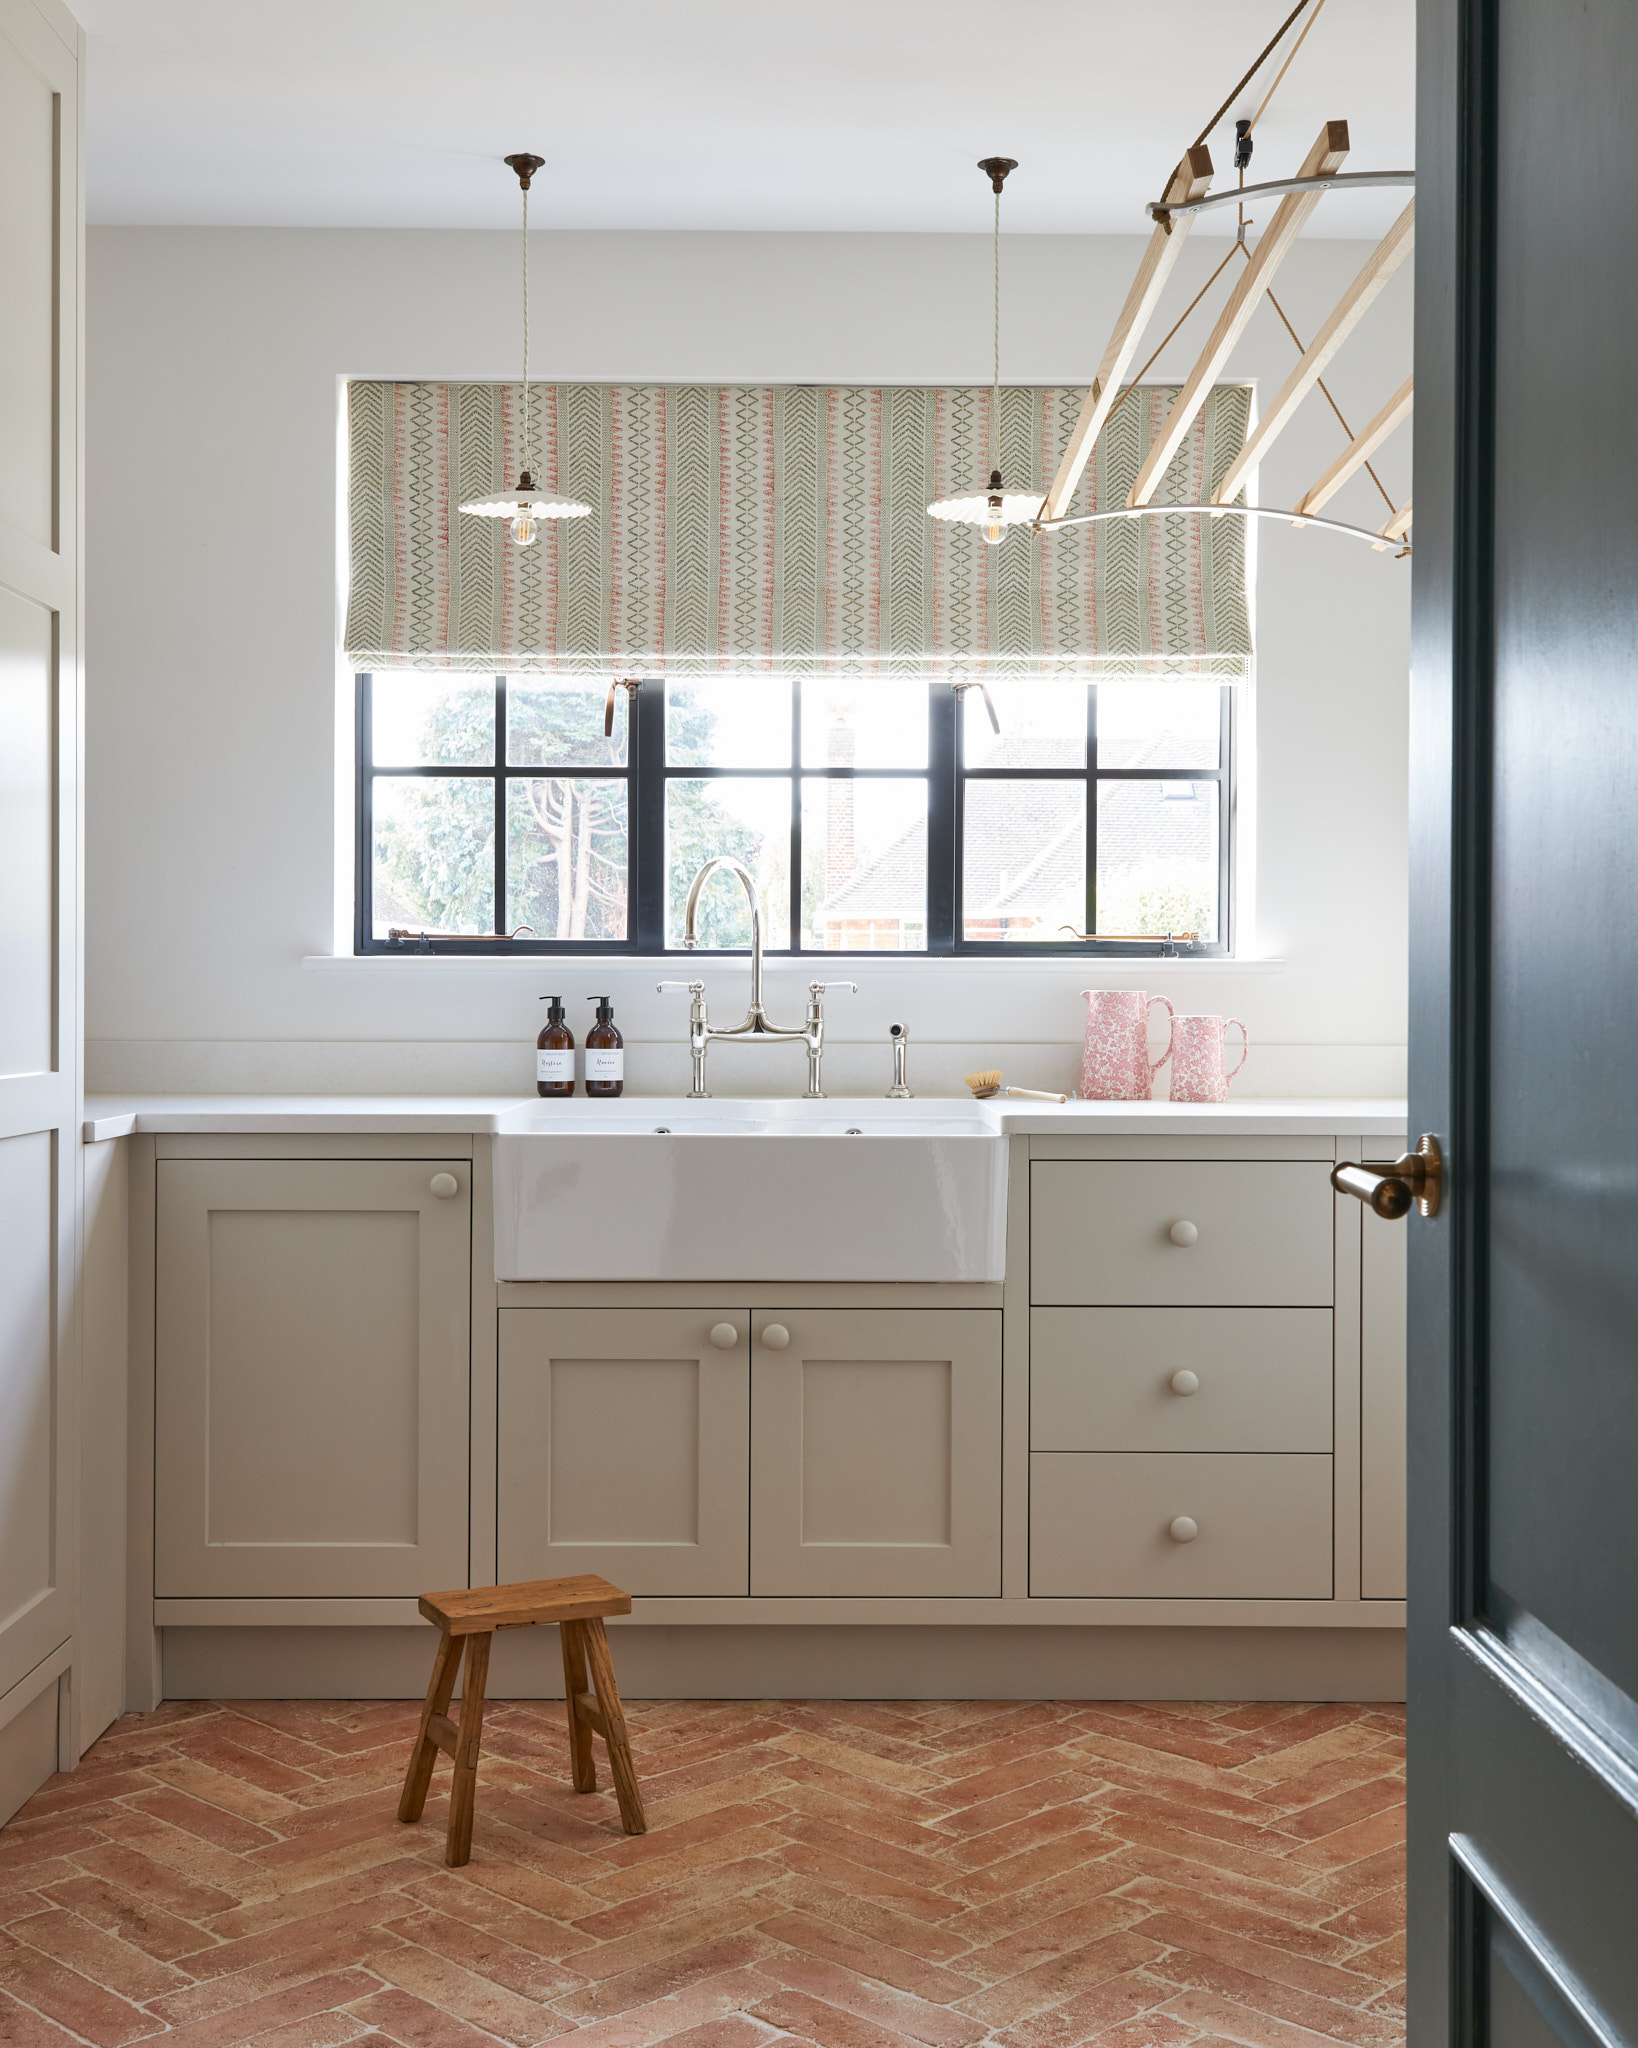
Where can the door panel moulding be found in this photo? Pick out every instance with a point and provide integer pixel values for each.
(1383, 261)
(1359, 451)
(1275, 243)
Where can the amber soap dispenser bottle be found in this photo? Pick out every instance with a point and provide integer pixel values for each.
(554, 1053)
(605, 1056)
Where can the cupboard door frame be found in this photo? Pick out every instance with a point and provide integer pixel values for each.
(783, 1563)
(717, 1562)
(186, 1563)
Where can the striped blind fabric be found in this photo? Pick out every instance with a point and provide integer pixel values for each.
(742, 529)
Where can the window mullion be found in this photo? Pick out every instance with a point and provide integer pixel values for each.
(499, 769)
(645, 770)
(943, 819)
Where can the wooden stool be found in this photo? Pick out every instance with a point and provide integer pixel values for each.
(577, 1606)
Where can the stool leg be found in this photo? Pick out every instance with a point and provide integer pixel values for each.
(574, 1683)
(424, 1755)
(463, 1790)
(614, 1726)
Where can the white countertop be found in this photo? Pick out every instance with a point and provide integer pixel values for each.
(119, 1116)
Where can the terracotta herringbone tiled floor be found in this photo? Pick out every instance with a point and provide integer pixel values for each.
(841, 1873)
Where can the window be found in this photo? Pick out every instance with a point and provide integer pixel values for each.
(877, 816)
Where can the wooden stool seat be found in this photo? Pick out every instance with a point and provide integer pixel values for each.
(467, 1618)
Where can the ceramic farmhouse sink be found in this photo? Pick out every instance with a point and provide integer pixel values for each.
(658, 1189)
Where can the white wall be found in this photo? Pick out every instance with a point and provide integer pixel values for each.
(212, 684)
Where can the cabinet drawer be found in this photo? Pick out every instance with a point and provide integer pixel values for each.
(1100, 1379)
(1100, 1526)
(1100, 1233)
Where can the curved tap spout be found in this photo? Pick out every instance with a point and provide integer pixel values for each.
(727, 860)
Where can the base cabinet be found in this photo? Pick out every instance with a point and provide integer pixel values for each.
(782, 1453)
(312, 1376)
(876, 1452)
(1382, 1406)
(624, 1447)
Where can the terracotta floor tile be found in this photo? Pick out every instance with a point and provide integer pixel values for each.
(843, 1874)
(811, 2019)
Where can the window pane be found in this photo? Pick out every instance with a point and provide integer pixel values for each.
(864, 864)
(553, 724)
(432, 721)
(750, 820)
(728, 724)
(1043, 725)
(1023, 868)
(434, 854)
(1159, 725)
(881, 723)
(1157, 857)
(567, 858)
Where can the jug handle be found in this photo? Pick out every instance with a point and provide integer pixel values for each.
(1171, 1031)
(1230, 1024)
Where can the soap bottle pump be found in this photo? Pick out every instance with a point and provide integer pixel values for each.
(605, 1057)
(554, 1053)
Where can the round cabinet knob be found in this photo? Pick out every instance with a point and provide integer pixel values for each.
(1184, 1234)
(776, 1336)
(445, 1186)
(1185, 1382)
(1184, 1529)
(724, 1336)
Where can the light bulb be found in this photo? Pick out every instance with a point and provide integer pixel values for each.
(523, 526)
(992, 532)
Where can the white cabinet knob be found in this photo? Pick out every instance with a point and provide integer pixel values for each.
(1184, 1529)
(1184, 1234)
(776, 1336)
(724, 1336)
(445, 1186)
(1185, 1382)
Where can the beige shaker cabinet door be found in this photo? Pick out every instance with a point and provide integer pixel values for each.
(1382, 1405)
(313, 1368)
(876, 1453)
(625, 1447)
(1187, 1233)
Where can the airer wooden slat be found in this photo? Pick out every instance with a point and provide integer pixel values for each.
(1189, 181)
(1273, 245)
(1345, 316)
(1359, 450)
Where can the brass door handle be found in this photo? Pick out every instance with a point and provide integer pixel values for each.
(1390, 1186)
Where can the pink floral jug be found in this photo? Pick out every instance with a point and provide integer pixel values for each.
(1198, 1074)
(1116, 1066)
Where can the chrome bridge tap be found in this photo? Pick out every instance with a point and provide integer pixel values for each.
(756, 1024)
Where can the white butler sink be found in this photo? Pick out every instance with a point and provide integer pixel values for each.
(667, 1189)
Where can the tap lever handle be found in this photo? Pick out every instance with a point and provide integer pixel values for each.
(687, 988)
(823, 988)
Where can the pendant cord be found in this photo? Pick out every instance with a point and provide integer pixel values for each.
(995, 381)
(527, 435)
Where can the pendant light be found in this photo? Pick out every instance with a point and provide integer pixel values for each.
(993, 508)
(526, 505)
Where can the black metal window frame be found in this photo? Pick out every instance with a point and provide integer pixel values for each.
(647, 773)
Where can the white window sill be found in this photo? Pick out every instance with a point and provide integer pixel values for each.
(679, 966)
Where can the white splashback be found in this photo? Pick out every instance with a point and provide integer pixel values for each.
(218, 770)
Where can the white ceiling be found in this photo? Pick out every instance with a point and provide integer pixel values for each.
(736, 114)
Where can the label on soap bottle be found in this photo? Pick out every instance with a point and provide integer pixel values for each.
(554, 1065)
(605, 1063)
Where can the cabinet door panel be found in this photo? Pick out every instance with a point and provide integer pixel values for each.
(1100, 1526)
(624, 1447)
(1100, 1233)
(312, 1377)
(1382, 1408)
(876, 1453)
(1101, 1379)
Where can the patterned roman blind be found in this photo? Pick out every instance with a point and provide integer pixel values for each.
(741, 529)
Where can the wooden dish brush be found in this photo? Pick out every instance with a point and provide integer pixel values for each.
(988, 1083)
